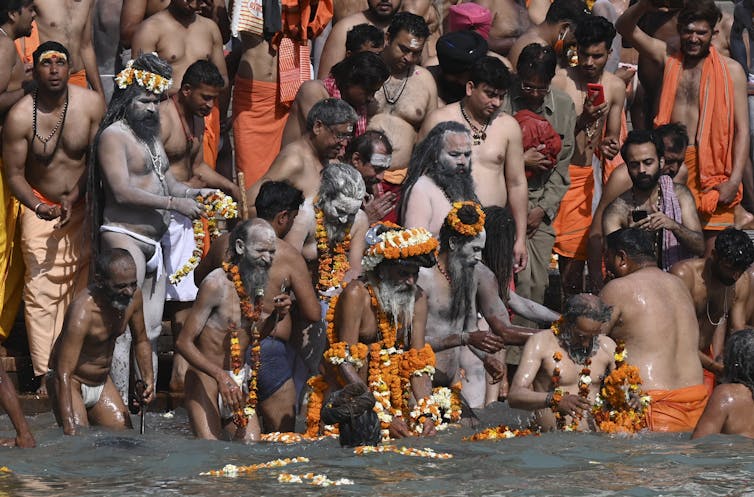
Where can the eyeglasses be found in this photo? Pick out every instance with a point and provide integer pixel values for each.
(533, 89)
(340, 136)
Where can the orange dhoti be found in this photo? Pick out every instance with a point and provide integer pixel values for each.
(78, 78)
(57, 262)
(710, 379)
(11, 261)
(676, 410)
(722, 217)
(259, 119)
(574, 217)
(211, 140)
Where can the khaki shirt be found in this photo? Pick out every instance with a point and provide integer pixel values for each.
(547, 190)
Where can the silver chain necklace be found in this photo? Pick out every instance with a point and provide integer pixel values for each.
(157, 164)
(725, 309)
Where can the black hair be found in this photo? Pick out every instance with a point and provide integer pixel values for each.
(362, 34)
(734, 247)
(593, 30)
(498, 248)
(677, 133)
(275, 197)
(9, 6)
(106, 259)
(408, 22)
(537, 60)
(491, 71)
(586, 305)
(637, 244)
(203, 72)
(50, 45)
(365, 69)
(640, 137)
(566, 10)
(468, 215)
(364, 145)
(700, 10)
(738, 358)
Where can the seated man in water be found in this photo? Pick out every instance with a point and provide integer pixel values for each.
(79, 382)
(560, 370)
(730, 409)
(221, 336)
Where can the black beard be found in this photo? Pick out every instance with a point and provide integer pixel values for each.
(145, 129)
(456, 186)
(254, 277)
(643, 185)
(462, 287)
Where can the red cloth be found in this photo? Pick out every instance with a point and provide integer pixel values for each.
(536, 131)
(470, 17)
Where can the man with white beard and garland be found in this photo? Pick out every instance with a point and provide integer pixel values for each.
(376, 335)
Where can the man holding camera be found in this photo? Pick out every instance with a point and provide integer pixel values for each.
(706, 92)
(655, 203)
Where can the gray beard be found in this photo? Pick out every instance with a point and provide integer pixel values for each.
(336, 233)
(455, 186)
(462, 287)
(254, 277)
(397, 300)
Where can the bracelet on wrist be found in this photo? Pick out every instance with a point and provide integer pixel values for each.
(36, 209)
(548, 400)
(186, 193)
(464, 338)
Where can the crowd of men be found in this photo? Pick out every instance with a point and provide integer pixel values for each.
(401, 214)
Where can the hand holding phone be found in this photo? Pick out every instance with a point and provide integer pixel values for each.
(596, 93)
(638, 215)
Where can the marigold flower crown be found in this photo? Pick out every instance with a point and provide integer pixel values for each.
(147, 80)
(396, 243)
(459, 226)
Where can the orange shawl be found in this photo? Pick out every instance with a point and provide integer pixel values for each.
(714, 133)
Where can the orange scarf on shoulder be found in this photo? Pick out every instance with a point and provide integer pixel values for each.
(714, 133)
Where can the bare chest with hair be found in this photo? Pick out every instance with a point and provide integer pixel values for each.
(63, 21)
(686, 105)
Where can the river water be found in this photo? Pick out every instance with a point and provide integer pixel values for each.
(166, 461)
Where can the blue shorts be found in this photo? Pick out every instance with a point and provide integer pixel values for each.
(274, 370)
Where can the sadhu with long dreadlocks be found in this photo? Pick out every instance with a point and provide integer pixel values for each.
(132, 189)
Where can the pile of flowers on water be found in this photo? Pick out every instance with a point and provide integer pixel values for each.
(312, 479)
(404, 451)
(232, 471)
(499, 432)
(287, 437)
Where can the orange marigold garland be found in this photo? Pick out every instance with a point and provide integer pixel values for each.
(459, 226)
(612, 410)
(500, 432)
(557, 393)
(215, 205)
(251, 312)
(333, 261)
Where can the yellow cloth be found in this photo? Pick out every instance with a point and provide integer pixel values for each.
(574, 217)
(11, 262)
(676, 410)
(56, 267)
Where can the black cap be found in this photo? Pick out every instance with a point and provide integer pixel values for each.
(458, 51)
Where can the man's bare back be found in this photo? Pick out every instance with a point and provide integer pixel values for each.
(654, 316)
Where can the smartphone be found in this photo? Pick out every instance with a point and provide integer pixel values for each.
(638, 215)
(597, 93)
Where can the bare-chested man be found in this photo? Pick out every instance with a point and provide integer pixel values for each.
(720, 287)
(440, 173)
(510, 20)
(181, 131)
(356, 80)
(580, 338)
(719, 131)
(278, 203)
(496, 151)
(329, 126)
(226, 320)
(730, 409)
(653, 315)
(655, 203)
(674, 140)
(557, 30)
(133, 190)
(371, 155)
(70, 24)
(457, 52)
(46, 139)
(378, 13)
(409, 95)
(387, 310)
(598, 128)
(329, 229)
(79, 383)
(458, 288)
(16, 18)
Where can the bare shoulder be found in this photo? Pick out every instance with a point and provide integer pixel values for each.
(214, 286)
(356, 292)
(86, 100)
(287, 163)
(613, 82)
(736, 71)
(607, 344)
(687, 269)
(345, 24)
(423, 75)
(20, 113)
(425, 185)
(361, 222)
(507, 123)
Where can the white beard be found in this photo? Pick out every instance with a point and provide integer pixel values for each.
(397, 300)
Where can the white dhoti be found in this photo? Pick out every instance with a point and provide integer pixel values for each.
(178, 246)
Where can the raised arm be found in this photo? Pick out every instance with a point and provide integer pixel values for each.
(335, 48)
(627, 25)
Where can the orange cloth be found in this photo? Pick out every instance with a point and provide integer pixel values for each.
(676, 410)
(714, 133)
(11, 260)
(574, 217)
(723, 215)
(709, 377)
(211, 138)
(78, 78)
(258, 122)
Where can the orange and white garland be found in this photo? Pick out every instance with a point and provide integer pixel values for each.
(148, 80)
(232, 471)
(404, 451)
(499, 433)
(313, 479)
(459, 226)
(585, 379)
(333, 261)
(215, 205)
(398, 243)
